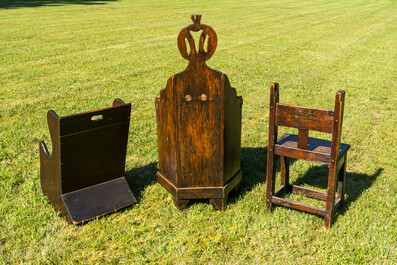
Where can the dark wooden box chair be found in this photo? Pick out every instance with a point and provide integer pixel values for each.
(332, 153)
(84, 176)
(199, 127)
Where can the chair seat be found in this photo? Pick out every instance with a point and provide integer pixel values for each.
(318, 150)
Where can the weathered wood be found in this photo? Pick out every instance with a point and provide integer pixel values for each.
(303, 135)
(334, 156)
(198, 123)
(272, 138)
(304, 118)
(332, 153)
(83, 178)
(309, 192)
(318, 150)
(298, 206)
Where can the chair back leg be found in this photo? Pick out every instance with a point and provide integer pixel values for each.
(330, 202)
(271, 172)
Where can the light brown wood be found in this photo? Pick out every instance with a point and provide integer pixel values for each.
(304, 118)
(301, 146)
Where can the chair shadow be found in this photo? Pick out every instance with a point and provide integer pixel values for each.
(140, 177)
(8, 4)
(253, 166)
(356, 183)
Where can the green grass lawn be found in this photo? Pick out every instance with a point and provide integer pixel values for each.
(76, 56)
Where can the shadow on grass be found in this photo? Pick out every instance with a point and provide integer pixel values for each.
(37, 3)
(253, 165)
(140, 177)
(356, 183)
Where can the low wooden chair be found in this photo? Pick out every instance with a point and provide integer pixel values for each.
(332, 153)
(83, 178)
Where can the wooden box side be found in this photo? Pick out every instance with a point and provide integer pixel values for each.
(166, 132)
(232, 130)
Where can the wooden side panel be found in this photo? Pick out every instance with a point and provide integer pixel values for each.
(166, 132)
(232, 130)
(304, 118)
(199, 129)
(96, 155)
(94, 119)
(50, 166)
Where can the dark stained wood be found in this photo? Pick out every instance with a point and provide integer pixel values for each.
(318, 150)
(284, 162)
(309, 192)
(272, 138)
(298, 206)
(334, 157)
(98, 200)
(332, 153)
(83, 178)
(180, 203)
(198, 123)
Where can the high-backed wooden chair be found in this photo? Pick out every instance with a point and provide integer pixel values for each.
(199, 126)
(332, 153)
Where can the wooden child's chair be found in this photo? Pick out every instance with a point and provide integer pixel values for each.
(332, 153)
(83, 178)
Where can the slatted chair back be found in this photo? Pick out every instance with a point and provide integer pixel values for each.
(305, 119)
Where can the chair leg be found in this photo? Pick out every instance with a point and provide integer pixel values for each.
(285, 172)
(332, 181)
(271, 172)
(342, 182)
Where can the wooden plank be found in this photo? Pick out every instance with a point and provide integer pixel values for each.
(272, 138)
(303, 135)
(199, 193)
(284, 170)
(233, 182)
(304, 118)
(298, 206)
(165, 183)
(314, 145)
(104, 198)
(309, 192)
(81, 122)
(335, 150)
(301, 154)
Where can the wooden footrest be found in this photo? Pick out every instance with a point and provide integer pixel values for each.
(85, 204)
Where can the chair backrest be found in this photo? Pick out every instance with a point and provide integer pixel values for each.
(305, 119)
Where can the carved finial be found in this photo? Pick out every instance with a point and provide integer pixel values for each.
(201, 55)
(196, 21)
